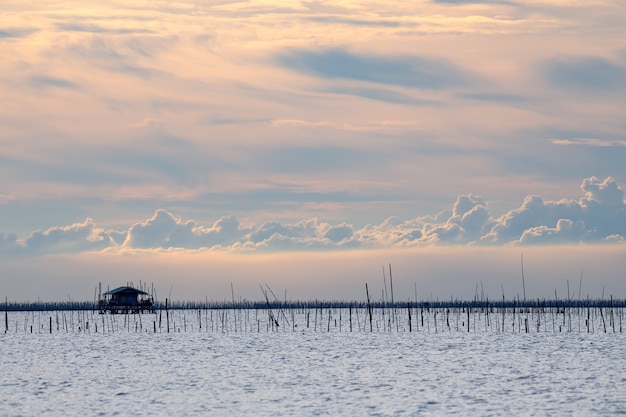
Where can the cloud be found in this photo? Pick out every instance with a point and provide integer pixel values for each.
(310, 233)
(91, 28)
(102, 53)
(586, 74)
(599, 216)
(232, 115)
(532, 213)
(565, 231)
(500, 98)
(339, 233)
(150, 122)
(602, 193)
(8, 242)
(462, 2)
(16, 33)
(163, 230)
(289, 159)
(151, 160)
(46, 82)
(592, 142)
(379, 94)
(355, 22)
(470, 213)
(372, 125)
(156, 231)
(405, 70)
(78, 237)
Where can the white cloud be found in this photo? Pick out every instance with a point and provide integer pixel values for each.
(339, 233)
(602, 193)
(471, 214)
(595, 142)
(156, 231)
(565, 231)
(163, 230)
(534, 212)
(597, 217)
(78, 237)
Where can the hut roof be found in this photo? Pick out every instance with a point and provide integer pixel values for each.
(126, 289)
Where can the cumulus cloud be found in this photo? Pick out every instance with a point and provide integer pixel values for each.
(78, 237)
(602, 193)
(598, 216)
(163, 230)
(594, 217)
(339, 233)
(565, 231)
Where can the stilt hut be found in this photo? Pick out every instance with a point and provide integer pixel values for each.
(125, 300)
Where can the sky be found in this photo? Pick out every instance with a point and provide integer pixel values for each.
(307, 145)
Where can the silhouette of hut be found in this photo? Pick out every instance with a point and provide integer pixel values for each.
(124, 300)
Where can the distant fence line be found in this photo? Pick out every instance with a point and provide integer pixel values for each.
(553, 316)
(288, 305)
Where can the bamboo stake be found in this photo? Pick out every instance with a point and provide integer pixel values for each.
(369, 306)
(523, 281)
(408, 308)
(393, 305)
(167, 315)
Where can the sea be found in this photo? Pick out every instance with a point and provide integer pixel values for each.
(253, 364)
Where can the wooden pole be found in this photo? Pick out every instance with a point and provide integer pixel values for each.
(167, 316)
(408, 307)
(393, 305)
(523, 282)
(350, 317)
(232, 292)
(369, 306)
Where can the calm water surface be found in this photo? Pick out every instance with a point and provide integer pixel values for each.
(312, 373)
